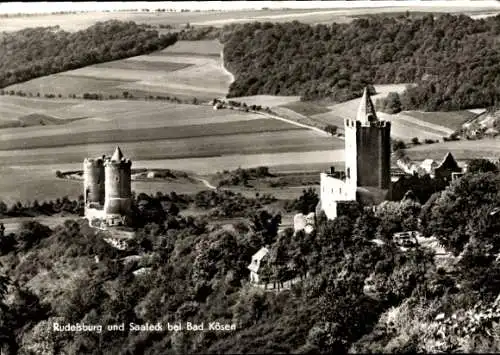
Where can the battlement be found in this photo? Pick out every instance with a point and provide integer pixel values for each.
(122, 163)
(340, 175)
(355, 124)
(378, 124)
(94, 161)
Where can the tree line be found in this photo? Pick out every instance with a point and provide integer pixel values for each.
(35, 52)
(452, 59)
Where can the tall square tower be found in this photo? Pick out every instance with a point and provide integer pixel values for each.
(367, 147)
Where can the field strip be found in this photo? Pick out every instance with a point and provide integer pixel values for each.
(143, 65)
(37, 103)
(97, 124)
(298, 140)
(410, 119)
(408, 124)
(211, 165)
(93, 73)
(173, 59)
(203, 47)
(122, 75)
(67, 136)
(185, 54)
(314, 129)
(266, 100)
(171, 86)
(266, 17)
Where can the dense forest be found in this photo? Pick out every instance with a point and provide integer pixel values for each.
(35, 52)
(454, 60)
(358, 296)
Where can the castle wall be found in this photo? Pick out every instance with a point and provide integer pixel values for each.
(333, 190)
(351, 152)
(93, 181)
(373, 155)
(94, 213)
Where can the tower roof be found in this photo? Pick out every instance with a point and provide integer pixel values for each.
(366, 109)
(117, 155)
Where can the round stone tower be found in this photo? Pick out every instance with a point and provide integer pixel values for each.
(93, 181)
(117, 171)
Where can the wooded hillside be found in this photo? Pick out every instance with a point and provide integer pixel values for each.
(35, 52)
(453, 59)
(357, 295)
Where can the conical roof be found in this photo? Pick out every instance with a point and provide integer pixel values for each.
(117, 155)
(448, 158)
(366, 109)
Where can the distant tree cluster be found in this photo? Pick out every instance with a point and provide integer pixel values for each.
(423, 187)
(305, 203)
(45, 208)
(454, 60)
(226, 203)
(199, 33)
(390, 104)
(242, 176)
(35, 52)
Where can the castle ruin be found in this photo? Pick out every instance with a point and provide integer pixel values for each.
(107, 190)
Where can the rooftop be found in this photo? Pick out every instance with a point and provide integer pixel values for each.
(366, 110)
(117, 155)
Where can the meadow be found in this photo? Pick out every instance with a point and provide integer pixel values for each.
(267, 100)
(149, 134)
(461, 150)
(38, 182)
(452, 120)
(404, 125)
(187, 70)
(154, 134)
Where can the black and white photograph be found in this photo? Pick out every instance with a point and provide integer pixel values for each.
(249, 177)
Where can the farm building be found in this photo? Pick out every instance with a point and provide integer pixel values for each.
(447, 167)
(428, 165)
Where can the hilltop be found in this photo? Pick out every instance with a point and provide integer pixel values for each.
(452, 59)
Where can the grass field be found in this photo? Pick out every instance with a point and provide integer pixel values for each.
(67, 83)
(133, 64)
(404, 125)
(192, 138)
(452, 120)
(461, 150)
(123, 115)
(187, 69)
(38, 182)
(306, 108)
(266, 100)
(35, 119)
(200, 131)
